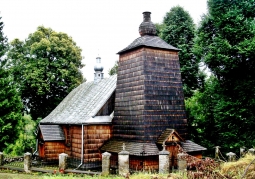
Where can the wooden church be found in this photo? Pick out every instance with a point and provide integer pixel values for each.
(142, 107)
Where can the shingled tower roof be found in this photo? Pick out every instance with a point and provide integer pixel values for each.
(149, 94)
(148, 37)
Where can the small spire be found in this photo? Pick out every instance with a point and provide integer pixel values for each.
(98, 68)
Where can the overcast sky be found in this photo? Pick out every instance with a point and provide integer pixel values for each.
(99, 27)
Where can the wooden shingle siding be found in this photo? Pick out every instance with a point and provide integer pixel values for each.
(53, 149)
(94, 137)
(149, 95)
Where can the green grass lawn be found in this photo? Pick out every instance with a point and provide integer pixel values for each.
(8, 174)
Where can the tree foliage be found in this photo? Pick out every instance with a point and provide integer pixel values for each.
(178, 29)
(226, 41)
(25, 141)
(10, 102)
(114, 69)
(47, 67)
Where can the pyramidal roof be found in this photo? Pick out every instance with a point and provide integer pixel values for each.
(149, 41)
(82, 104)
(148, 37)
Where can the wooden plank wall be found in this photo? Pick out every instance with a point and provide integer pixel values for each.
(149, 95)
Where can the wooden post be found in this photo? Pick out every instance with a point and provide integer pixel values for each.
(106, 163)
(27, 162)
(164, 160)
(1, 158)
(62, 162)
(123, 160)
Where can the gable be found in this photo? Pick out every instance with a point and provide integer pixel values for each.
(169, 135)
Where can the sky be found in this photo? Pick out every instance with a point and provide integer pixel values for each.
(99, 27)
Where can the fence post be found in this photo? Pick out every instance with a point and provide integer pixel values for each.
(27, 162)
(231, 156)
(182, 163)
(164, 160)
(1, 158)
(62, 162)
(123, 160)
(106, 163)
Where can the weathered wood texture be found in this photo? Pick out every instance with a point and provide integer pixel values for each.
(149, 95)
(140, 163)
(53, 149)
(173, 149)
(94, 137)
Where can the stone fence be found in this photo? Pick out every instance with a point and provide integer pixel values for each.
(123, 161)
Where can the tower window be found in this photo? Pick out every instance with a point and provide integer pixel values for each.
(98, 74)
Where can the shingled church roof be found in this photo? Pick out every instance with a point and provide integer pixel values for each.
(82, 104)
(149, 41)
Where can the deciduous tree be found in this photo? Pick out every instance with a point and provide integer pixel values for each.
(47, 67)
(114, 69)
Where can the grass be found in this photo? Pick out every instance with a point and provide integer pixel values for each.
(9, 174)
(242, 168)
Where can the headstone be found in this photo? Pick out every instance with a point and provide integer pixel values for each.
(1, 158)
(217, 151)
(252, 151)
(164, 160)
(242, 151)
(182, 163)
(231, 156)
(62, 161)
(106, 163)
(27, 162)
(123, 160)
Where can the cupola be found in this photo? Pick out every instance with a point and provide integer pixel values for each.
(98, 68)
(147, 27)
